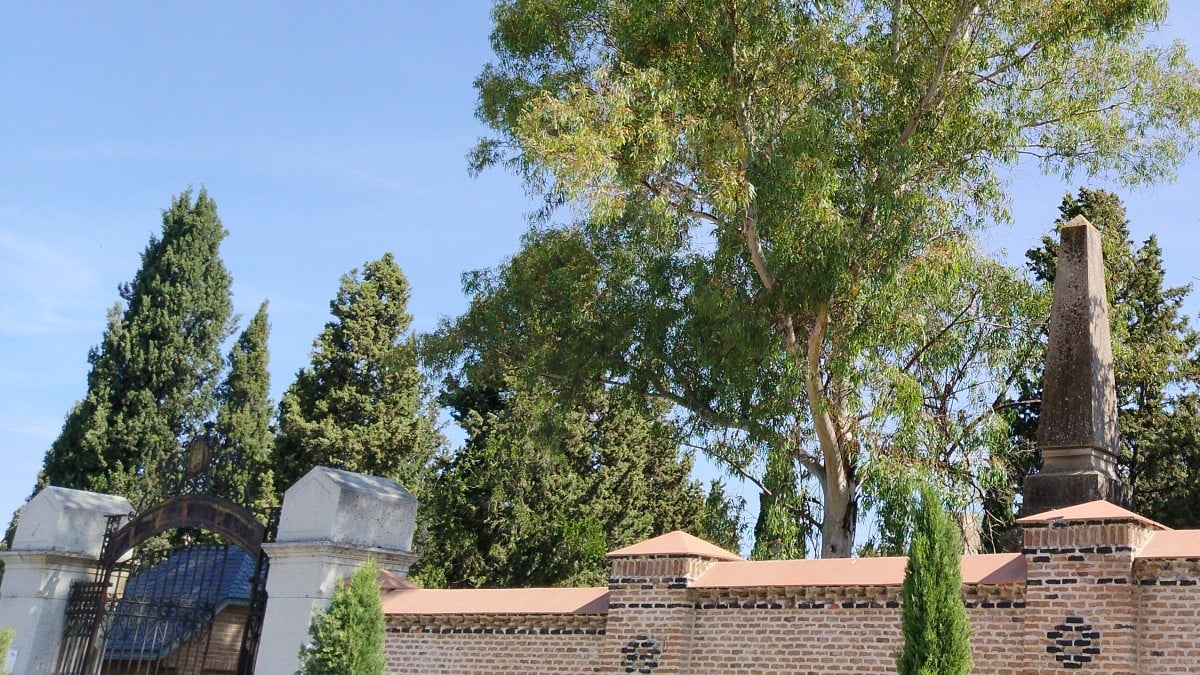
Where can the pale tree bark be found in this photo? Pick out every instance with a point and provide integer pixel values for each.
(838, 488)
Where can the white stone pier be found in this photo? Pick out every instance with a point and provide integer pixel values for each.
(331, 523)
(57, 542)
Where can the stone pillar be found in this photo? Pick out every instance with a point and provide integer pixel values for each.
(57, 543)
(650, 617)
(331, 523)
(1080, 609)
(1077, 431)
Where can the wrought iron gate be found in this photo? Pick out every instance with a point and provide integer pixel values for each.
(191, 603)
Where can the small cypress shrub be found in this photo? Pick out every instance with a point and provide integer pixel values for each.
(348, 636)
(937, 635)
(6, 638)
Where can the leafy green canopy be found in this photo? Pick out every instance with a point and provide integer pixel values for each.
(151, 388)
(933, 619)
(766, 187)
(348, 637)
(549, 481)
(358, 406)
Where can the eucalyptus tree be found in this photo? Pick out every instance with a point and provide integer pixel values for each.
(754, 180)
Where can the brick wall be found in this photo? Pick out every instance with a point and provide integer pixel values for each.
(814, 629)
(510, 643)
(1168, 605)
(1085, 603)
(1079, 607)
(651, 616)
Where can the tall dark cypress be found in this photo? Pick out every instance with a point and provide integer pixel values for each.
(152, 385)
(242, 442)
(550, 480)
(358, 405)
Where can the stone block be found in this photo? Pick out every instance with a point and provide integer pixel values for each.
(63, 520)
(1048, 491)
(347, 508)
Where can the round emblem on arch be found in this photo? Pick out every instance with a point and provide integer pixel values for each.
(640, 655)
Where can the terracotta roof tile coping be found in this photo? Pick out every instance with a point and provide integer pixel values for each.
(675, 543)
(1097, 510)
(393, 582)
(497, 601)
(1172, 544)
(994, 568)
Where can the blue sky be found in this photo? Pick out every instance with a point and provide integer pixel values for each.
(327, 135)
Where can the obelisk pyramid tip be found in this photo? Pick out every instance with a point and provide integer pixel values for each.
(1078, 221)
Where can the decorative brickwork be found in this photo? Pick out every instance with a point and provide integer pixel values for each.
(640, 655)
(1079, 568)
(798, 597)
(1073, 642)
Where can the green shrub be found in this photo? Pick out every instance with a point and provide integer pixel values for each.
(348, 636)
(6, 638)
(937, 636)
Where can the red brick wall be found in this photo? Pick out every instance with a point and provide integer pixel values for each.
(1168, 605)
(852, 629)
(1079, 610)
(567, 643)
(651, 628)
(1087, 605)
(651, 614)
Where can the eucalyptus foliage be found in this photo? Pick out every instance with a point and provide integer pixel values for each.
(774, 203)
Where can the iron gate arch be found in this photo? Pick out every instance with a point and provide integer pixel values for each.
(156, 612)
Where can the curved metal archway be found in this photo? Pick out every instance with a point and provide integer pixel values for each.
(206, 512)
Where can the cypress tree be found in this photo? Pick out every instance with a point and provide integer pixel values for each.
(933, 619)
(240, 466)
(780, 531)
(6, 637)
(358, 405)
(550, 480)
(348, 637)
(151, 388)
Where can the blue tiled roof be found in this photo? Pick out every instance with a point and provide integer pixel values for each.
(164, 604)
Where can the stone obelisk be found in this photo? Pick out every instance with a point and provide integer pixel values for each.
(1077, 430)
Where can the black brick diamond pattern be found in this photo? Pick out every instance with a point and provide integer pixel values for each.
(1073, 642)
(640, 655)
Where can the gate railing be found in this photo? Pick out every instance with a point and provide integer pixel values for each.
(186, 608)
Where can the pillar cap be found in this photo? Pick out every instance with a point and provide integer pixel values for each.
(677, 543)
(1099, 510)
